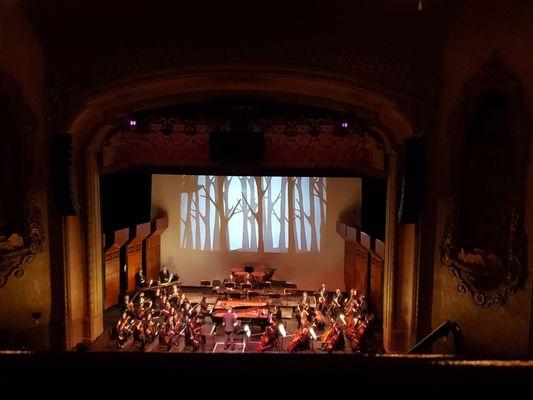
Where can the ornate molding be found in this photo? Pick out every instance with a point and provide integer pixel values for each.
(493, 273)
(344, 144)
(12, 261)
(469, 274)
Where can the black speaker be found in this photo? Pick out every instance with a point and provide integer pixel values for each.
(413, 158)
(61, 153)
(240, 147)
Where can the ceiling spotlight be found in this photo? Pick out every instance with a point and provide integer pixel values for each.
(344, 124)
(133, 122)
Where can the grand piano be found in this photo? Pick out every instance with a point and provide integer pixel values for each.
(251, 311)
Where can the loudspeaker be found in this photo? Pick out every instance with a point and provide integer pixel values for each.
(61, 153)
(413, 158)
(239, 147)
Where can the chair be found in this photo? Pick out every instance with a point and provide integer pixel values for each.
(246, 286)
(205, 283)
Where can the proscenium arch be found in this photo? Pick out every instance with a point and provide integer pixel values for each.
(103, 107)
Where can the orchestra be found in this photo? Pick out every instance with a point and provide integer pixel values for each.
(164, 315)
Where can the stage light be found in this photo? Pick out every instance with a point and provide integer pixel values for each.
(341, 316)
(247, 330)
(282, 330)
(345, 124)
(313, 334)
(133, 122)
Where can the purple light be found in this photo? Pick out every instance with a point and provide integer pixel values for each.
(345, 124)
(133, 122)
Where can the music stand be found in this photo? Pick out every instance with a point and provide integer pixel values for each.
(229, 285)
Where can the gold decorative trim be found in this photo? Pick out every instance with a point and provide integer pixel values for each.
(12, 262)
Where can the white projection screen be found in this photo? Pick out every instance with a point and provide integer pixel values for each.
(220, 222)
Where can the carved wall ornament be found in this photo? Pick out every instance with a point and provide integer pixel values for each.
(484, 244)
(301, 143)
(14, 257)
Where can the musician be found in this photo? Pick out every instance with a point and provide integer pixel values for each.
(125, 303)
(321, 308)
(231, 278)
(182, 301)
(204, 307)
(337, 302)
(164, 275)
(149, 328)
(362, 308)
(174, 295)
(140, 282)
(230, 321)
(298, 315)
(321, 305)
(304, 318)
(122, 330)
(186, 309)
(144, 302)
(304, 300)
(138, 333)
(131, 310)
(301, 341)
(269, 338)
(322, 292)
(277, 315)
(352, 296)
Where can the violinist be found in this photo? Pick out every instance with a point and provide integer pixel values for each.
(164, 275)
(138, 333)
(182, 301)
(131, 310)
(149, 328)
(174, 295)
(123, 330)
(204, 307)
(125, 303)
(186, 310)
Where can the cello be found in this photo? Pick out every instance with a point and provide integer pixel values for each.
(300, 342)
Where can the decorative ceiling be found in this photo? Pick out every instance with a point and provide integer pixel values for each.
(89, 43)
